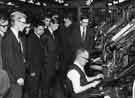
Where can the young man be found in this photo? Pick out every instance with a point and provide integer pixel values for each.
(80, 83)
(51, 58)
(35, 59)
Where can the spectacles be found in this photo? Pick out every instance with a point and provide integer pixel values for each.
(85, 58)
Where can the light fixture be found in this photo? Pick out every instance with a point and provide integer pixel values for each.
(110, 4)
(115, 2)
(44, 4)
(30, 1)
(66, 4)
(1, 2)
(88, 2)
(107, 96)
(37, 3)
(10, 3)
(120, 1)
(23, 0)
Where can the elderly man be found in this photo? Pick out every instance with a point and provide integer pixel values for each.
(12, 53)
(80, 83)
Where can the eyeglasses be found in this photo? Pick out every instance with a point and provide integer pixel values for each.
(85, 58)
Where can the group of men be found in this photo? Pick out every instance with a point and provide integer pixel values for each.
(34, 59)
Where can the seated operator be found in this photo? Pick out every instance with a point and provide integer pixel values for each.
(80, 83)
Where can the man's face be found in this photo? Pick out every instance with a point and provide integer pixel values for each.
(55, 26)
(84, 58)
(21, 23)
(84, 22)
(3, 25)
(40, 30)
(47, 21)
(67, 22)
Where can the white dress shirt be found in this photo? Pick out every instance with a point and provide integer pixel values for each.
(20, 81)
(83, 32)
(37, 35)
(16, 34)
(1, 33)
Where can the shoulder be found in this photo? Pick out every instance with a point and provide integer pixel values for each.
(7, 38)
(73, 73)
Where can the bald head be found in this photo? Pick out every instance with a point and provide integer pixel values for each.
(82, 56)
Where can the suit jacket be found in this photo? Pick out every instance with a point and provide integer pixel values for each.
(77, 41)
(1, 65)
(67, 45)
(35, 53)
(13, 59)
(50, 50)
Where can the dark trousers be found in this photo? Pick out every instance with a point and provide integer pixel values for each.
(33, 86)
(48, 83)
(16, 91)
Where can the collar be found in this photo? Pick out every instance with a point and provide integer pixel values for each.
(15, 33)
(37, 35)
(81, 27)
(51, 31)
(77, 63)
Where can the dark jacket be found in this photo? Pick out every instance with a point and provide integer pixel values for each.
(35, 53)
(77, 41)
(12, 56)
(50, 50)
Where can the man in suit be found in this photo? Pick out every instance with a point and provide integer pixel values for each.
(46, 21)
(51, 58)
(66, 43)
(12, 53)
(82, 35)
(35, 59)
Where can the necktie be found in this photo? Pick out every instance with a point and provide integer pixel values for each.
(21, 45)
(83, 34)
(22, 49)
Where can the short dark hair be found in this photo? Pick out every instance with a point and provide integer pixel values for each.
(69, 16)
(46, 16)
(84, 17)
(39, 23)
(55, 20)
(3, 17)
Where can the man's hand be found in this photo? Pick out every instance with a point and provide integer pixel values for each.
(20, 81)
(99, 76)
(33, 74)
(95, 83)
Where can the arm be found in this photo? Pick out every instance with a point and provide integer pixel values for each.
(95, 77)
(13, 62)
(74, 76)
